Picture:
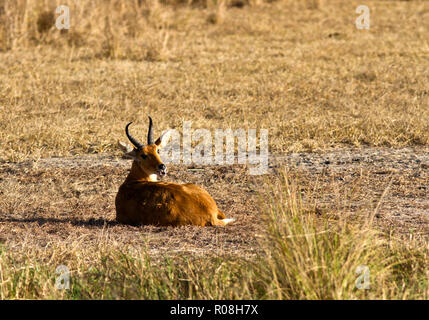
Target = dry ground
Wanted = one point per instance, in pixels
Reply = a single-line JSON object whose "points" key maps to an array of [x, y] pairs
{"points": [[71, 200], [303, 72]]}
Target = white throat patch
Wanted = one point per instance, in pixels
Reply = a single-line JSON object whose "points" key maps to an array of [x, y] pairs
{"points": [[153, 177]]}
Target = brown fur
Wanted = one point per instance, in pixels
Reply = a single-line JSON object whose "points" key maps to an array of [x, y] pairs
{"points": [[140, 200]]}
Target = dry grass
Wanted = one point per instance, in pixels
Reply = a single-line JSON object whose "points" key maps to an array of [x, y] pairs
{"points": [[298, 68], [307, 75], [310, 257]]}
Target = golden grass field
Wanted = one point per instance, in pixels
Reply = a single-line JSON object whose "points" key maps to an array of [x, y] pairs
{"points": [[348, 117]]}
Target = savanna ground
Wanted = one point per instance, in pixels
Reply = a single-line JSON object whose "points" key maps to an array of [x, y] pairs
{"points": [[348, 118]]}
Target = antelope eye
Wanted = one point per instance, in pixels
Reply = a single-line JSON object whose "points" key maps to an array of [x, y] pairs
{"points": [[157, 151]]}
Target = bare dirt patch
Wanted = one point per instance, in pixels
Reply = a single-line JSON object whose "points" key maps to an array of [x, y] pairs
{"points": [[71, 200], [354, 180]]}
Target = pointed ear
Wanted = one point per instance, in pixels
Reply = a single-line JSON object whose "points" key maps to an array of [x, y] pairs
{"points": [[127, 150], [162, 140]]}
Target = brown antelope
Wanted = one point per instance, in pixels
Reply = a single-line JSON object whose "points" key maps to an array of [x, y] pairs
{"points": [[142, 199]]}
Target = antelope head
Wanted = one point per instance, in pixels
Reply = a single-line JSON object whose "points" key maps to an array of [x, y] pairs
{"points": [[147, 164]]}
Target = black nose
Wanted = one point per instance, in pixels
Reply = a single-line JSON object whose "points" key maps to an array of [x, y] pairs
{"points": [[161, 166]]}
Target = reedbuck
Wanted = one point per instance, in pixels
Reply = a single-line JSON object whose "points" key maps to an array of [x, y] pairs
{"points": [[142, 199]]}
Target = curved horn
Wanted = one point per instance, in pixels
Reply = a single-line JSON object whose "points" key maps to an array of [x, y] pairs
{"points": [[150, 133], [135, 142]]}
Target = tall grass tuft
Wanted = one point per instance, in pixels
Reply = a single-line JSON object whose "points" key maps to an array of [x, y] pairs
{"points": [[314, 257]]}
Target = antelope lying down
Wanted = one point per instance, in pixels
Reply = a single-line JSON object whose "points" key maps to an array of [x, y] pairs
{"points": [[142, 199]]}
